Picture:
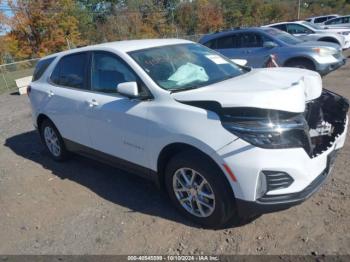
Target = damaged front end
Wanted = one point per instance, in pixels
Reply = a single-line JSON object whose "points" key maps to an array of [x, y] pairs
{"points": [[326, 118], [315, 130]]}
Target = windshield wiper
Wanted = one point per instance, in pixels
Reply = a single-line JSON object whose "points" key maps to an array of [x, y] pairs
{"points": [[175, 90]]}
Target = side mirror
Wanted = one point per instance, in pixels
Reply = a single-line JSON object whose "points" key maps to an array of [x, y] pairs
{"points": [[128, 89], [270, 44]]}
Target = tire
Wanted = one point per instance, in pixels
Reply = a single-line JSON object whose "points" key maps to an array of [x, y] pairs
{"points": [[219, 194], [301, 63], [53, 141]]}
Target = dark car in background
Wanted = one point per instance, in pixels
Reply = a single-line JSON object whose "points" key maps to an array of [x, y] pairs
{"points": [[257, 44]]}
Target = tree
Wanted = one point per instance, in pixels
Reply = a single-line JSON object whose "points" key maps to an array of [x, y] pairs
{"points": [[209, 16], [42, 27]]}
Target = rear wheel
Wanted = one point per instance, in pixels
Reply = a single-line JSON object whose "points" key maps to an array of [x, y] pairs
{"points": [[53, 140], [301, 63], [199, 190]]}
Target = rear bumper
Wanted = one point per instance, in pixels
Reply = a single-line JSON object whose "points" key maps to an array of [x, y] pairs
{"points": [[324, 69], [272, 203]]}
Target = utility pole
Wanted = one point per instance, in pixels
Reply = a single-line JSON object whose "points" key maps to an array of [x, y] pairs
{"points": [[299, 2]]}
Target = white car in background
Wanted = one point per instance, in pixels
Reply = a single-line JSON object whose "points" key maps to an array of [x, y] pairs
{"points": [[321, 19], [339, 22], [313, 32], [225, 141]]}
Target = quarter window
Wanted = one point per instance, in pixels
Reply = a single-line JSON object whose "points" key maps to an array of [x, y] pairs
{"points": [[71, 71], [41, 67]]}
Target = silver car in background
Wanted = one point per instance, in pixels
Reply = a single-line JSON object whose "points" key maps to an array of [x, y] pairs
{"points": [[339, 22], [321, 19], [312, 32], [257, 44]]}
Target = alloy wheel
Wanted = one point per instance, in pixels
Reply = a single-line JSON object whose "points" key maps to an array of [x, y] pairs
{"points": [[193, 192]]}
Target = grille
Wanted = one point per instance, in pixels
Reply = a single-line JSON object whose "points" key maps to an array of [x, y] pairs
{"points": [[276, 180], [337, 55]]}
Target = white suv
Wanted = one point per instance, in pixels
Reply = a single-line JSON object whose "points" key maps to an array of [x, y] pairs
{"points": [[224, 140]]}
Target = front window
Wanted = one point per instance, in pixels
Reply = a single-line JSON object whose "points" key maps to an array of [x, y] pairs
{"points": [[185, 66], [313, 26]]}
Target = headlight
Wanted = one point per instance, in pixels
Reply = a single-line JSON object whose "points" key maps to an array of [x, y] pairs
{"points": [[269, 132], [324, 51]]}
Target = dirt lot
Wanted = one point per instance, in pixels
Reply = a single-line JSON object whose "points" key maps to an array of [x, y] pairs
{"points": [[83, 207]]}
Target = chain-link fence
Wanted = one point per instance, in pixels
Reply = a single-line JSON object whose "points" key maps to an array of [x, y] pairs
{"points": [[12, 71]]}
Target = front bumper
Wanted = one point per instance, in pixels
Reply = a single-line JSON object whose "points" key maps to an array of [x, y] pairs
{"points": [[272, 203], [324, 69]]}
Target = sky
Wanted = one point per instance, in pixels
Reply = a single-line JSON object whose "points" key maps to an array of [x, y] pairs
{"points": [[6, 9]]}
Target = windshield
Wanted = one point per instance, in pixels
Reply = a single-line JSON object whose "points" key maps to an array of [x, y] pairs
{"points": [[282, 36], [313, 26], [185, 66]]}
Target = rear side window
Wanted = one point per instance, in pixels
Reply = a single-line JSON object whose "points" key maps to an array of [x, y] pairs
{"points": [[250, 40], [227, 42], [346, 20], [41, 67], [321, 19], [71, 71]]}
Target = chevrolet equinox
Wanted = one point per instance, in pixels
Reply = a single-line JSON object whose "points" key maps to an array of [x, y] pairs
{"points": [[223, 140]]}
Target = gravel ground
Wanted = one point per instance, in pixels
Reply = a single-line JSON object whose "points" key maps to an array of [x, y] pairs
{"points": [[83, 207]]}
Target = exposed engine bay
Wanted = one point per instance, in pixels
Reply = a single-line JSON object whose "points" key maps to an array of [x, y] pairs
{"points": [[326, 118]]}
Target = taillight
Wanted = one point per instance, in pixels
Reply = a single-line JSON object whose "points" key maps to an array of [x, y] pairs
{"points": [[29, 89]]}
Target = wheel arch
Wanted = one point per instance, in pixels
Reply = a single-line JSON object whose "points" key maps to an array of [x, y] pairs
{"points": [[329, 39], [299, 58], [41, 117], [172, 149]]}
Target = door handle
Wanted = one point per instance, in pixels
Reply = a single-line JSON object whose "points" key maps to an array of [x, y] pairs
{"points": [[50, 93], [92, 103]]}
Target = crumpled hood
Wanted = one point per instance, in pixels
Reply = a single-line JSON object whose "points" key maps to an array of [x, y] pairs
{"points": [[285, 89]]}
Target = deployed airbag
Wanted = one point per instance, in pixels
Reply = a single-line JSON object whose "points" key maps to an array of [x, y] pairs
{"points": [[189, 73]]}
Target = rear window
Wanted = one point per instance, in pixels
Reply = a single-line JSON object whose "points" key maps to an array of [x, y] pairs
{"points": [[71, 71], [41, 67]]}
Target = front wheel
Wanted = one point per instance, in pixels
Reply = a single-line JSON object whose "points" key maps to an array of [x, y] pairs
{"points": [[199, 190]]}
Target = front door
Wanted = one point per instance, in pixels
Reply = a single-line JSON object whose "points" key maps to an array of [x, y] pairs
{"points": [[118, 125]]}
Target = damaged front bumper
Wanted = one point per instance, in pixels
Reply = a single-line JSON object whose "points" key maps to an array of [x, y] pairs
{"points": [[273, 203], [307, 167]]}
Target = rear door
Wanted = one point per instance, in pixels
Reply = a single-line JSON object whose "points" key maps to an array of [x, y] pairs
{"points": [[67, 97]]}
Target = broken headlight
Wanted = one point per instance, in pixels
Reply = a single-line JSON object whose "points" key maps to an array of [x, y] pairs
{"points": [[268, 131]]}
